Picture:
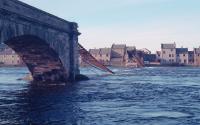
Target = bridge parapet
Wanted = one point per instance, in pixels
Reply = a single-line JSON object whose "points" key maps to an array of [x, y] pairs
{"points": [[32, 14]]}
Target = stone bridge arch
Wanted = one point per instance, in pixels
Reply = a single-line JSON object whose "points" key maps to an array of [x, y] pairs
{"points": [[42, 61], [39, 38]]}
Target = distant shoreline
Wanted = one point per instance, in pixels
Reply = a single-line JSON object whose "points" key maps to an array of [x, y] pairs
{"points": [[12, 66]]}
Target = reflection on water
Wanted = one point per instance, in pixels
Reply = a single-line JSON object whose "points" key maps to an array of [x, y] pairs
{"points": [[146, 96]]}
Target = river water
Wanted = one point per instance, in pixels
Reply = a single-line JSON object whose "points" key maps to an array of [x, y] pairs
{"points": [[146, 96]]}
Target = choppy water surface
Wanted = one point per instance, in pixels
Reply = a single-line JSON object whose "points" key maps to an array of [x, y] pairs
{"points": [[146, 96]]}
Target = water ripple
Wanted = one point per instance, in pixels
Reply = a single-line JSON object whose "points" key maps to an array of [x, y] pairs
{"points": [[143, 96]]}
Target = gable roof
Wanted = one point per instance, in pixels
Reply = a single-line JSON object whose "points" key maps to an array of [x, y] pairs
{"points": [[105, 51], [94, 51]]}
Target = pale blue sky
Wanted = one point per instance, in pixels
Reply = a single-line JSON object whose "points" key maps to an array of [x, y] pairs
{"points": [[140, 23]]}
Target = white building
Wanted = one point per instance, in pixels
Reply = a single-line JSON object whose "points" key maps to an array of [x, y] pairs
{"points": [[168, 54]]}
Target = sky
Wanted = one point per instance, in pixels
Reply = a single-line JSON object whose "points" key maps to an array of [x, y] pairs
{"points": [[140, 23]]}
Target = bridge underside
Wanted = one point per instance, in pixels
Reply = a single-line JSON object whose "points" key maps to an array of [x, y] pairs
{"points": [[42, 61]]}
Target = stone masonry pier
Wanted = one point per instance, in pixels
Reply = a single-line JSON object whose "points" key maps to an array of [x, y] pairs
{"points": [[47, 44]]}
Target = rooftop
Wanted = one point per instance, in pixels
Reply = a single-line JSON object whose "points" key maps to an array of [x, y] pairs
{"points": [[158, 52], [190, 52], [197, 50], [7, 51], [118, 46], [168, 46], [94, 51], [128, 48], [181, 50], [105, 51]]}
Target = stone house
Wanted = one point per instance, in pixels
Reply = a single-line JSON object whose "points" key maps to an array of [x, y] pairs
{"points": [[129, 51], [197, 56], [8, 57], [168, 54], [129, 57], [95, 53], [182, 56], [191, 57], [118, 52], [105, 55]]}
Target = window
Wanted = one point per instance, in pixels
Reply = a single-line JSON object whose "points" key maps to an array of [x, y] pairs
{"points": [[169, 55], [163, 52], [171, 49], [107, 55], [183, 54], [172, 55], [172, 60]]}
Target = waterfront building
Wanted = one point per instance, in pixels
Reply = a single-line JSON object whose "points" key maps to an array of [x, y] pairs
{"points": [[149, 58], [168, 54], [130, 50], [118, 52], [8, 57], [182, 56], [105, 55], [197, 56], [130, 60], [118, 55], [190, 57], [158, 56], [95, 53]]}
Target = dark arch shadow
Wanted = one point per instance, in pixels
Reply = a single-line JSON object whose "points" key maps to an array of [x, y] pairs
{"points": [[42, 61]]}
